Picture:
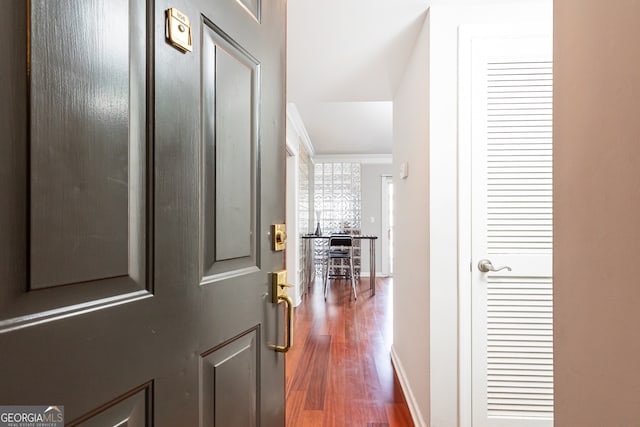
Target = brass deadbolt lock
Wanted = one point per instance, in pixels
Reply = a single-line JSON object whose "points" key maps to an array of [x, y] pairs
{"points": [[278, 236]]}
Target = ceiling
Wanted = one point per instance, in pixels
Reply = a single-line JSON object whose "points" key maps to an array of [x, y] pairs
{"points": [[344, 61]]}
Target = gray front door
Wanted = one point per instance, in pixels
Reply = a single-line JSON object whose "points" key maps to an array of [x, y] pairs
{"points": [[138, 184]]}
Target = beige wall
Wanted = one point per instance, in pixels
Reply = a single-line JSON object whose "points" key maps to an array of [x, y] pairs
{"points": [[411, 240], [597, 213]]}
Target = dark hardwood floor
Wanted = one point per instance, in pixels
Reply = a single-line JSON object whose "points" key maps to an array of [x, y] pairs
{"points": [[339, 372]]}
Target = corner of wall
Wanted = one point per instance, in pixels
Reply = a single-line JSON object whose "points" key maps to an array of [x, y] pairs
{"points": [[411, 348], [414, 409]]}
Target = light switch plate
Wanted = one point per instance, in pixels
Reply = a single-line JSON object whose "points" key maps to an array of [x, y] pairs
{"points": [[404, 170]]}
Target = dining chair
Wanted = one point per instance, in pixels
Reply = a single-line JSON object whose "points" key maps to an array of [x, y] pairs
{"points": [[341, 249]]}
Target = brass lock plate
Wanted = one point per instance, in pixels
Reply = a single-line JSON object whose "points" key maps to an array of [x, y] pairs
{"points": [[279, 285], [278, 236], [179, 30]]}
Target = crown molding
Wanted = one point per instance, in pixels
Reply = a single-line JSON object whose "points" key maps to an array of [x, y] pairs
{"points": [[293, 116], [365, 159]]}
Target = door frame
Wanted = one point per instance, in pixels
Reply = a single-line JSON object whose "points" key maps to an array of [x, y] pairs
{"points": [[466, 35], [292, 250], [386, 266]]}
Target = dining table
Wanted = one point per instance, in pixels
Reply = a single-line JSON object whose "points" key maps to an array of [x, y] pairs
{"points": [[308, 241]]}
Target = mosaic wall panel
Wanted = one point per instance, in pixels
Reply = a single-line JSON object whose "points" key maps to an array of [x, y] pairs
{"points": [[337, 205]]}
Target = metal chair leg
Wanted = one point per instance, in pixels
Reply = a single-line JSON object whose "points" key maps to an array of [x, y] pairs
{"points": [[353, 280], [326, 278]]}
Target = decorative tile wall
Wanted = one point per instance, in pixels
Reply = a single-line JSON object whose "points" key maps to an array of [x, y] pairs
{"points": [[337, 205]]}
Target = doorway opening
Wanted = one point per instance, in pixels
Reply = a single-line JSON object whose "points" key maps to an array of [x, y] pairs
{"points": [[387, 225]]}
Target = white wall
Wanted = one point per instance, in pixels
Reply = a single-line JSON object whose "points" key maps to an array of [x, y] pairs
{"points": [[446, 18], [371, 189], [292, 259], [596, 213], [410, 351], [426, 135], [296, 141]]}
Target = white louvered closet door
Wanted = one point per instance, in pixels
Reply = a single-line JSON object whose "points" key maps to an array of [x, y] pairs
{"points": [[512, 353]]}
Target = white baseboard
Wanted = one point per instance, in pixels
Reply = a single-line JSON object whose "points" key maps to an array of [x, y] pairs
{"points": [[418, 419], [378, 274]]}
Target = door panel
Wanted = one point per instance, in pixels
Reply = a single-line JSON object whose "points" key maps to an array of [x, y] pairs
{"points": [[134, 409], [235, 362], [387, 225], [512, 226], [253, 7], [234, 207], [84, 215], [80, 190], [140, 183], [230, 87]]}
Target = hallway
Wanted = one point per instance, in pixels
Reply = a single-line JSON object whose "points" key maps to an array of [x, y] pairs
{"points": [[339, 371]]}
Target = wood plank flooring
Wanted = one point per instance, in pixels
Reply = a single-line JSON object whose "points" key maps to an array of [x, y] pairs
{"points": [[339, 372]]}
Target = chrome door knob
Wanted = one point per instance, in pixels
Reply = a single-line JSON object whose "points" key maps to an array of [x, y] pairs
{"points": [[485, 266]]}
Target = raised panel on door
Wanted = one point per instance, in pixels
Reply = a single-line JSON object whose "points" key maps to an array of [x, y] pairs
{"points": [[253, 7], [234, 362], [230, 92], [79, 171], [512, 226], [83, 220], [132, 409]]}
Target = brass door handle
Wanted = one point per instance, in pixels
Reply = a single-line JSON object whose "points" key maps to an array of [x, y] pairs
{"points": [[289, 333], [279, 287]]}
